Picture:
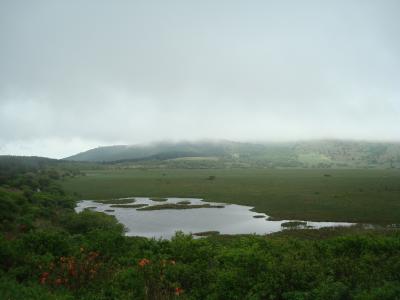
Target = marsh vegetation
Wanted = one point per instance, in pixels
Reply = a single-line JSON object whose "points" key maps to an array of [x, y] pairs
{"points": [[358, 196], [294, 224], [158, 199], [117, 201]]}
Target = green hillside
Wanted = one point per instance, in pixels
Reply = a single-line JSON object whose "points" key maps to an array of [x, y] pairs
{"points": [[306, 154]]}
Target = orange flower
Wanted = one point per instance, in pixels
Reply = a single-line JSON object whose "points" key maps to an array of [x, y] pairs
{"points": [[178, 291], [58, 281], [143, 262], [43, 277]]}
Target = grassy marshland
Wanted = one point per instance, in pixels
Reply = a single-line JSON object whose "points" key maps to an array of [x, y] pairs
{"points": [[366, 196]]}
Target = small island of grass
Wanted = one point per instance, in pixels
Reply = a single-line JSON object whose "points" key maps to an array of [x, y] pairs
{"points": [[294, 224], [179, 206], [183, 202], [116, 201], [158, 199], [259, 216], [128, 205]]}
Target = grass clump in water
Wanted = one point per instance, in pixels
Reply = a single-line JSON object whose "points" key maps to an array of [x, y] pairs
{"points": [[183, 202], [258, 216], [116, 201], [129, 205], [294, 224], [159, 199], [179, 206]]}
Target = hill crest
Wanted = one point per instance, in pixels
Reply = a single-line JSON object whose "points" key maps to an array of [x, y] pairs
{"points": [[320, 153]]}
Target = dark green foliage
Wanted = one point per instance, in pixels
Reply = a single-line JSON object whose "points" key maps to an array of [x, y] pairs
{"points": [[88, 221], [10, 205]]}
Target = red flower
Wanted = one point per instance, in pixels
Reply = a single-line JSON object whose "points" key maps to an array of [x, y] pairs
{"points": [[143, 262], [178, 291]]}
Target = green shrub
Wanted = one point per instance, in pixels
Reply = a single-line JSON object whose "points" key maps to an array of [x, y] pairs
{"points": [[87, 221]]}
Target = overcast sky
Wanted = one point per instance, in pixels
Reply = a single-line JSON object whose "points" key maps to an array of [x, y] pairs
{"points": [[80, 74]]}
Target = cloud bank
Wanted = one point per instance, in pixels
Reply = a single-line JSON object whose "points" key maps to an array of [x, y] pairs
{"points": [[78, 74]]}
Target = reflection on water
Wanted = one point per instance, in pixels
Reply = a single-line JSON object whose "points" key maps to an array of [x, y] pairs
{"points": [[231, 219]]}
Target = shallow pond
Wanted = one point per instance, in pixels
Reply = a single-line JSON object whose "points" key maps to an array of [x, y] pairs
{"points": [[163, 223]]}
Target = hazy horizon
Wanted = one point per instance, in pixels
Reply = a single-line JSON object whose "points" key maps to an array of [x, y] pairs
{"points": [[77, 75], [210, 141]]}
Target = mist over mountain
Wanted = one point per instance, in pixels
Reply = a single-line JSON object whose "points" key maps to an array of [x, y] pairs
{"points": [[304, 154], [76, 75]]}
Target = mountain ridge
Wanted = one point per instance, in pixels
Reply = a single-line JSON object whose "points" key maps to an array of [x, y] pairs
{"points": [[317, 153]]}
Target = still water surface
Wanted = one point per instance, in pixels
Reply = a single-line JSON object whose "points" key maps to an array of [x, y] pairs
{"points": [[231, 219]]}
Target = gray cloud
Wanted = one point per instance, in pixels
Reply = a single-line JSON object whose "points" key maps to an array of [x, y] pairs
{"points": [[76, 74]]}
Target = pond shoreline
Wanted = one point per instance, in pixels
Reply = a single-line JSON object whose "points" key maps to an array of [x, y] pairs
{"points": [[146, 216]]}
